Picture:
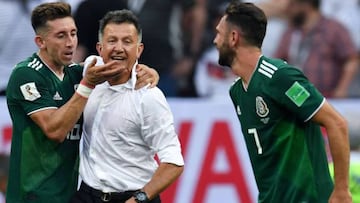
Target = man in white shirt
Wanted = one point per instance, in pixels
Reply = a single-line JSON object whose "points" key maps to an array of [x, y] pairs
{"points": [[125, 128]]}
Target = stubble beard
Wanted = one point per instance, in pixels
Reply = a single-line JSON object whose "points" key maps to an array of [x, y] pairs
{"points": [[226, 56]]}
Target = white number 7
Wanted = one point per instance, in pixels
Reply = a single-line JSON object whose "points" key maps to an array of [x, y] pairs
{"points": [[257, 141]]}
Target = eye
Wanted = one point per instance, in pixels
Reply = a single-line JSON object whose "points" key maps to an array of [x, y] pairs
{"points": [[60, 36], [111, 40]]}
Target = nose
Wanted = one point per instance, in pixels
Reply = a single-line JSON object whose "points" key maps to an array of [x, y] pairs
{"points": [[118, 47], [71, 40], [215, 40]]}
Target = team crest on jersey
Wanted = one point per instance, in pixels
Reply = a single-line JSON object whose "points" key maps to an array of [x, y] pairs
{"points": [[261, 108]]}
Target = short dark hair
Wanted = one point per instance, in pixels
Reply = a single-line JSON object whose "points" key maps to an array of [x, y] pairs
{"points": [[49, 11], [250, 19], [119, 17]]}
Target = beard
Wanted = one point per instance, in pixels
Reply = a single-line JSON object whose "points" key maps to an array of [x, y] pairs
{"points": [[298, 20], [226, 55]]}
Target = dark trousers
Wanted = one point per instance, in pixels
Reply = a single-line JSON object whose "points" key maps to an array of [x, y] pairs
{"points": [[87, 194]]}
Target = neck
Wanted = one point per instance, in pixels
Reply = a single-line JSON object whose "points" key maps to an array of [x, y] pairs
{"points": [[57, 69], [311, 20], [121, 78], [245, 62]]}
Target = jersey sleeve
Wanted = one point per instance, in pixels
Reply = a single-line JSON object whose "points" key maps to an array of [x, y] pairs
{"points": [[292, 90], [29, 89], [158, 128]]}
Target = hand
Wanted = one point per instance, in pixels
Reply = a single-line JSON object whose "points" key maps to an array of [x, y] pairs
{"points": [[340, 196], [146, 75], [96, 74]]}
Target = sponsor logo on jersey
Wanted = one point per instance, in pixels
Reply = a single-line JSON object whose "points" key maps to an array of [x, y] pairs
{"points": [[267, 69], [261, 108], [30, 91], [297, 94], [57, 96]]}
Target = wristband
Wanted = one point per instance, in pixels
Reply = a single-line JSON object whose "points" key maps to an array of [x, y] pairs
{"points": [[84, 89]]}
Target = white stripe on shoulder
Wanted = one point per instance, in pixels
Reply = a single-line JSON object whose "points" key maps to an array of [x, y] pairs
{"points": [[269, 65], [265, 73], [42, 109], [35, 64], [267, 69], [312, 115]]}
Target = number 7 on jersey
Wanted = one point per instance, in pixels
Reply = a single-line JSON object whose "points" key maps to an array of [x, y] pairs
{"points": [[256, 137]]}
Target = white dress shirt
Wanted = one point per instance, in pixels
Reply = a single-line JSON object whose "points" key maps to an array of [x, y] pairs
{"points": [[123, 130]]}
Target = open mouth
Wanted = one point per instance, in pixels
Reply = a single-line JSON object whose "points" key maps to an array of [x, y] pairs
{"points": [[68, 54], [118, 58]]}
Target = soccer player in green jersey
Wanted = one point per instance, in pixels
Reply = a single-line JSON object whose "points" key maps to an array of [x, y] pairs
{"points": [[280, 113], [46, 95]]}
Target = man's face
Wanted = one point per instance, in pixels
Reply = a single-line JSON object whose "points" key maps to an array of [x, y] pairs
{"points": [[60, 41], [120, 42], [297, 13], [221, 41]]}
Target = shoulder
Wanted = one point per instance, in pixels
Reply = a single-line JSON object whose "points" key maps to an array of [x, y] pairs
{"points": [[152, 97], [332, 26], [28, 67], [74, 67], [271, 67], [151, 94], [235, 86], [153, 101], [278, 73]]}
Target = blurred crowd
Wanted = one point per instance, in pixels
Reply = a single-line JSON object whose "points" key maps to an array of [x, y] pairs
{"points": [[321, 38]]}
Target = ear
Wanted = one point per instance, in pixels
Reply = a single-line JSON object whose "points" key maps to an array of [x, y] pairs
{"points": [[98, 48], [39, 41], [234, 38], [140, 49]]}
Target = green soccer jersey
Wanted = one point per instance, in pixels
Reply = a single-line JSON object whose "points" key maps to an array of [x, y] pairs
{"points": [[41, 170], [286, 150]]}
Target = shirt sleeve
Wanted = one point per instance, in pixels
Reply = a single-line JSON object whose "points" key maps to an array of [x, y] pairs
{"points": [[292, 90], [30, 90], [158, 128]]}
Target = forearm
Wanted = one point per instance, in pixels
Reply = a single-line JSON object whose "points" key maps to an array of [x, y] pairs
{"points": [[162, 178], [349, 72], [57, 123], [63, 120], [339, 147]]}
